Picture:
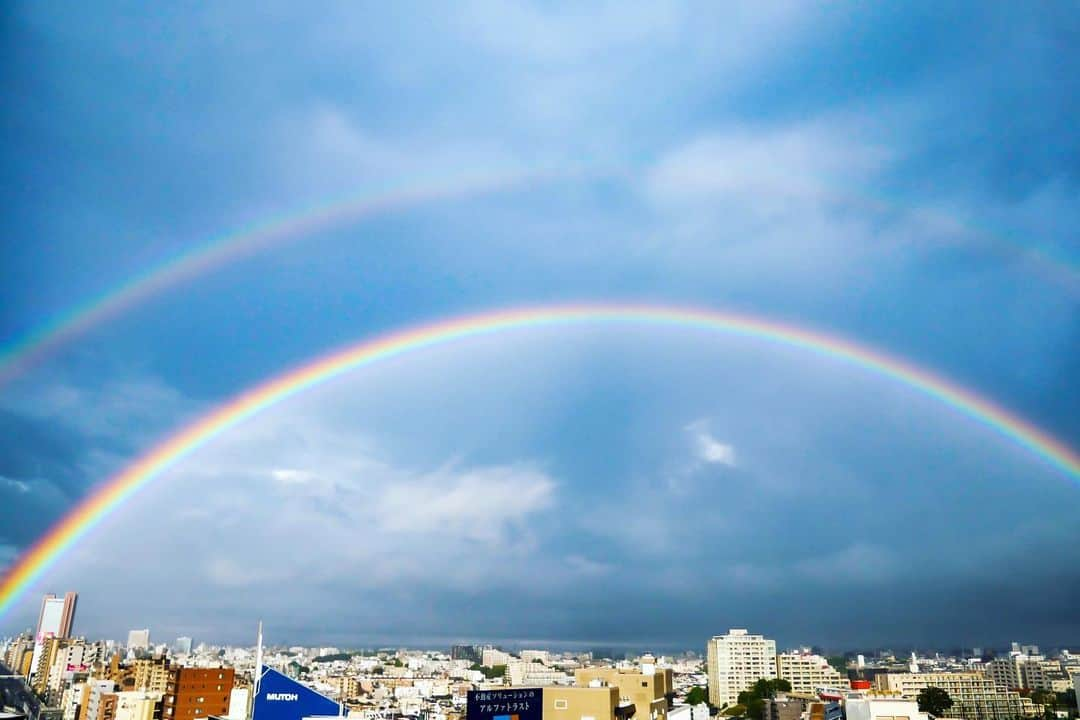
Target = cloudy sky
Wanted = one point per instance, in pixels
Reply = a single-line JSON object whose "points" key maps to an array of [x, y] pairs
{"points": [[902, 174]]}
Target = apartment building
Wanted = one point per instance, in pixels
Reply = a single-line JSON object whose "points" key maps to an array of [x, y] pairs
{"points": [[646, 688], [735, 662], [195, 693], [807, 672], [137, 705], [974, 696]]}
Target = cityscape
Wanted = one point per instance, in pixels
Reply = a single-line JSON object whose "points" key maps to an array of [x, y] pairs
{"points": [[540, 360], [53, 674]]}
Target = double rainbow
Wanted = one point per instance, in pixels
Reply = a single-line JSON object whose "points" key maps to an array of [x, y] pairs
{"points": [[115, 491]]}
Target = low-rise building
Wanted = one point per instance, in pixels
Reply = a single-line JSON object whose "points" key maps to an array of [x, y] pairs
{"points": [[600, 702], [874, 708], [647, 687]]}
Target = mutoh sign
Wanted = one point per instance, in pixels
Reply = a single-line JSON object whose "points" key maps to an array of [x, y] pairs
{"points": [[282, 698]]}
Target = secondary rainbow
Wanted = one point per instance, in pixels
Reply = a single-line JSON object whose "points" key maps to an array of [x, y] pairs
{"points": [[119, 488], [22, 352]]}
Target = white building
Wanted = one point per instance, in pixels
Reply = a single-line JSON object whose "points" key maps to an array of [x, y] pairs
{"points": [[138, 639], [735, 662], [492, 657], [72, 700], [866, 708], [97, 688], [136, 705], [238, 703], [808, 672]]}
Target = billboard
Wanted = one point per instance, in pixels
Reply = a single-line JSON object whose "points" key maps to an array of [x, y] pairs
{"points": [[282, 698], [509, 704]]}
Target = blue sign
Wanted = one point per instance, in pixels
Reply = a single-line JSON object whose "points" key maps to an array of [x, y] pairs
{"points": [[282, 698], [516, 704]]}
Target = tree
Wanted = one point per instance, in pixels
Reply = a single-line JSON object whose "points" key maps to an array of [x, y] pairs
{"points": [[697, 695], [934, 700], [1044, 697]]}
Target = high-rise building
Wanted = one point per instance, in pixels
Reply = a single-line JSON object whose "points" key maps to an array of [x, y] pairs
{"points": [[735, 662], [138, 639], [54, 621], [57, 615], [195, 693], [465, 652], [183, 645], [806, 673]]}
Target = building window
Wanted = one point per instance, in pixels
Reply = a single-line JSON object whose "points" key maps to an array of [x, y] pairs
{"points": [[560, 705]]}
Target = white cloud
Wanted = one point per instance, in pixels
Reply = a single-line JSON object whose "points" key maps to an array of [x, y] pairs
{"points": [[767, 167], [289, 476], [708, 449], [18, 486], [477, 504], [133, 409]]}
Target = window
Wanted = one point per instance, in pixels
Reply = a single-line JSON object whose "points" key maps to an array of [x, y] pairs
{"points": [[560, 705]]}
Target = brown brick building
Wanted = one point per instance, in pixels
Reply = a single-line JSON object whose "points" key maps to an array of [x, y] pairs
{"points": [[195, 693]]}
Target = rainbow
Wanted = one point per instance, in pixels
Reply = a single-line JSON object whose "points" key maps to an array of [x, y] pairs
{"points": [[112, 494], [21, 353]]}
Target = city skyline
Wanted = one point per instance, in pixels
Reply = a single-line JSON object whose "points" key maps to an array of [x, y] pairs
{"points": [[874, 445]]}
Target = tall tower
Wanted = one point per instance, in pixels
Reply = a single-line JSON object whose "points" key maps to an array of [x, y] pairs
{"points": [[57, 616], [54, 621]]}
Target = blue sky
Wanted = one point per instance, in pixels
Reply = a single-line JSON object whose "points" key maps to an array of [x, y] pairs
{"points": [[902, 174]]}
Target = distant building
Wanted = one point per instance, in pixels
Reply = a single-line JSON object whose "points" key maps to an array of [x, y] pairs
{"points": [[183, 645], [1019, 671], [493, 656], [138, 639], [735, 662], [465, 652]]}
